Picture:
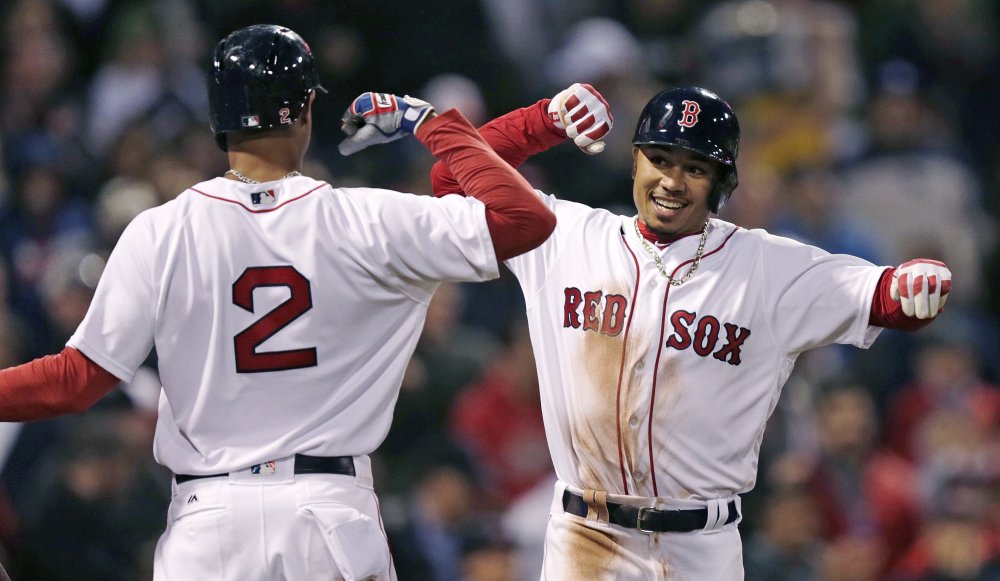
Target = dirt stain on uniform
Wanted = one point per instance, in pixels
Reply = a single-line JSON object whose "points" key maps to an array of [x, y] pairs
{"points": [[590, 554], [667, 407], [595, 429]]}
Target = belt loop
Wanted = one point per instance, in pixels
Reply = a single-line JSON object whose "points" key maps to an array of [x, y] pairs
{"points": [[597, 505], [718, 513], [363, 471]]}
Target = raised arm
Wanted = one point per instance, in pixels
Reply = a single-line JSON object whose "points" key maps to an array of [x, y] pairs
{"points": [[518, 221], [579, 112]]}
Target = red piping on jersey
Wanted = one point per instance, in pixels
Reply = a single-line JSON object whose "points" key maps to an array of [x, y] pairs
{"points": [[260, 211], [659, 350], [621, 370]]}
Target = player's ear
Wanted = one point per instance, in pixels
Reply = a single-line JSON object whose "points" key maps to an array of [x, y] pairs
{"points": [[635, 159], [306, 115]]}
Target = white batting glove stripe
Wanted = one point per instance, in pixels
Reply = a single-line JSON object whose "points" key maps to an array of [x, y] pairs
{"points": [[584, 114], [921, 287]]}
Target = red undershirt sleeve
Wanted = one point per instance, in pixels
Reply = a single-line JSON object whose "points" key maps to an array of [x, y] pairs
{"points": [[52, 386], [517, 219], [888, 313], [515, 137]]}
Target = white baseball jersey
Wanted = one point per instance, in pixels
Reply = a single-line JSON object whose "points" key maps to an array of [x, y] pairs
{"points": [[283, 314], [663, 391]]}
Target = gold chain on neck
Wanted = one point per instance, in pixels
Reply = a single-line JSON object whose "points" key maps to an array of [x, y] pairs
{"points": [[659, 263], [244, 178]]}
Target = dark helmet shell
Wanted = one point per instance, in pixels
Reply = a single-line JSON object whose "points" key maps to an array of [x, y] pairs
{"points": [[261, 78]]}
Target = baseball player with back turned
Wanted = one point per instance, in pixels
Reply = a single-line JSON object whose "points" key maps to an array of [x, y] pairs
{"points": [[283, 311], [663, 339]]}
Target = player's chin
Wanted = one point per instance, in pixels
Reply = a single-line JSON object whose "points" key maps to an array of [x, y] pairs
{"points": [[668, 220]]}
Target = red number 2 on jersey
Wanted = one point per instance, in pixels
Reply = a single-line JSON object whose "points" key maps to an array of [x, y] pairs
{"points": [[248, 360]]}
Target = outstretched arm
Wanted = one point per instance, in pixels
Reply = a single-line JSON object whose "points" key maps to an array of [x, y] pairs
{"points": [[579, 112], [52, 386], [909, 297]]}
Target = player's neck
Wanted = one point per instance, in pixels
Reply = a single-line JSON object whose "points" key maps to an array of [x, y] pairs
{"points": [[663, 239], [260, 168], [266, 159]]}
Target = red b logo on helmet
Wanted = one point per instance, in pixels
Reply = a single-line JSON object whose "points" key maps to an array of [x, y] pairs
{"points": [[690, 116]]}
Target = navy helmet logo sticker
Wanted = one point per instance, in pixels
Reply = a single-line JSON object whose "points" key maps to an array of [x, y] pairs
{"points": [[690, 114], [258, 198], [251, 121]]}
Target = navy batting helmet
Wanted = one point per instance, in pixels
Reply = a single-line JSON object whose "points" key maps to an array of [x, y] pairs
{"points": [[261, 78], [700, 121]]}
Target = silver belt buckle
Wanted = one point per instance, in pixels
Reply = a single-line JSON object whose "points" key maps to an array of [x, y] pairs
{"points": [[638, 520]]}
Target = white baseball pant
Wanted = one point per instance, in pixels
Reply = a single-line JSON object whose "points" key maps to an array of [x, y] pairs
{"points": [[591, 548], [249, 527]]}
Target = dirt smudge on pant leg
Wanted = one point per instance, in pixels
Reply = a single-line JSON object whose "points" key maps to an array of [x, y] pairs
{"points": [[590, 554]]}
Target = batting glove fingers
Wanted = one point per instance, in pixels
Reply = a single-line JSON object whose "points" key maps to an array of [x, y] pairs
{"points": [[921, 287], [584, 114], [375, 118]]}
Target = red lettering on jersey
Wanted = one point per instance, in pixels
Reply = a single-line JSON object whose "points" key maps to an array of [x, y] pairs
{"points": [[681, 320], [735, 336], [707, 335], [248, 359], [573, 299], [689, 116], [613, 319], [590, 302]]}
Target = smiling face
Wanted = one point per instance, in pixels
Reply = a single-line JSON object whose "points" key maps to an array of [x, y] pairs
{"points": [[670, 187]]}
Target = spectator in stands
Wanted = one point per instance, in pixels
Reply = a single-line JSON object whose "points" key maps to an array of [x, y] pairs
{"points": [[499, 420], [786, 548], [866, 497], [947, 379]]}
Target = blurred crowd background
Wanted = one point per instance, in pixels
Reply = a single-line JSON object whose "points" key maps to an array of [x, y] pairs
{"points": [[870, 127]]}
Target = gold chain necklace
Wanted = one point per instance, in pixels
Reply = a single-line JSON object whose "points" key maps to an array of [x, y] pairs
{"points": [[659, 263], [244, 178]]}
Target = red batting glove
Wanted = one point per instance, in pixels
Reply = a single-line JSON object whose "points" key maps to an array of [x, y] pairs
{"points": [[584, 114], [921, 287]]}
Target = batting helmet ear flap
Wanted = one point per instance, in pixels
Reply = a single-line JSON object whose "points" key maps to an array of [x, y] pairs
{"points": [[723, 189]]}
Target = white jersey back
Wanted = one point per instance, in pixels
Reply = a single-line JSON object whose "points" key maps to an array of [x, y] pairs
{"points": [[657, 390], [283, 314]]}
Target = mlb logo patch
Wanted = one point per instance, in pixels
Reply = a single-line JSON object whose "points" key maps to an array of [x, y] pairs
{"points": [[265, 469], [258, 198], [251, 121]]}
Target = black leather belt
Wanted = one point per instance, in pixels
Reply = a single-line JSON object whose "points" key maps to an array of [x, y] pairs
{"points": [[303, 465], [647, 519]]}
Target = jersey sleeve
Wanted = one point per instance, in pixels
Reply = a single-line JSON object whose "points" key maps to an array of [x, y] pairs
{"points": [[532, 268], [117, 332], [421, 241], [814, 298]]}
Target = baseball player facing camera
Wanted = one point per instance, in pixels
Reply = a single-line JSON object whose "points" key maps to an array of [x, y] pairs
{"points": [[283, 311], [663, 339]]}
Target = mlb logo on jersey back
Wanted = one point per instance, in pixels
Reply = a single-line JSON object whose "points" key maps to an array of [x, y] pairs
{"points": [[258, 198], [251, 121], [265, 469]]}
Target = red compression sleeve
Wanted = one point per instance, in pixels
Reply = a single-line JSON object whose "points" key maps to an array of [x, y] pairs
{"points": [[515, 137], [52, 386], [517, 218], [889, 313]]}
